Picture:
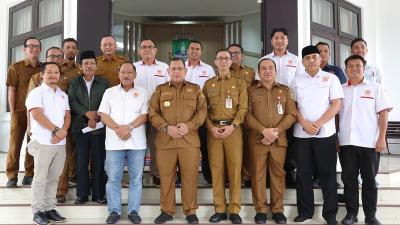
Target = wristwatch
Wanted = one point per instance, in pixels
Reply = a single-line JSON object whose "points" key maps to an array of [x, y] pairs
{"points": [[234, 126], [55, 131], [130, 126], [165, 129]]}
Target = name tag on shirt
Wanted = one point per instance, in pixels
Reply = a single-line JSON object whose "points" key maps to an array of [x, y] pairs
{"points": [[228, 102]]}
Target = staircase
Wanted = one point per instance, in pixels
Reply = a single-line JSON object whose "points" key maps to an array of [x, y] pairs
{"points": [[15, 202]]}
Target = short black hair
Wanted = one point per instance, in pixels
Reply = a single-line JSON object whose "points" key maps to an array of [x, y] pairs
{"points": [[236, 45], [221, 50], [197, 42], [355, 57], [69, 40], [357, 40], [45, 64], [177, 59], [54, 47], [31, 38], [148, 39], [127, 62], [323, 43], [280, 29], [265, 59], [108, 35]]}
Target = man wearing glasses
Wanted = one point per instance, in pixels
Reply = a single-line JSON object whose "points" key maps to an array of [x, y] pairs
{"points": [[150, 73], [18, 78], [226, 96]]}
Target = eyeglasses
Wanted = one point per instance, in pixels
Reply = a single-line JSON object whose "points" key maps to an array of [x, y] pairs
{"points": [[150, 47], [226, 59], [235, 53], [32, 46], [55, 56]]}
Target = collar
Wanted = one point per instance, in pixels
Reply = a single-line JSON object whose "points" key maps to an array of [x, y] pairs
{"points": [[172, 84], [155, 62], [259, 84], [316, 75], [363, 81], [187, 63], [122, 89], [275, 55], [241, 67], [91, 81], [227, 76], [103, 58], [73, 65], [48, 88], [28, 63]]}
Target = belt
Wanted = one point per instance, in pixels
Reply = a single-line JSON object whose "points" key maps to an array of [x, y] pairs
{"points": [[222, 122]]}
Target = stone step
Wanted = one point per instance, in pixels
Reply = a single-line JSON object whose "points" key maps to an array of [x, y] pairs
{"points": [[22, 212]]}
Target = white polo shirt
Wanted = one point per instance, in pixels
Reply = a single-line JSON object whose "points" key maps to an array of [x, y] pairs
{"points": [[124, 107], [149, 76], [199, 73], [358, 124], [372, 73], [287, 67], [53, 105], [313, 96]]}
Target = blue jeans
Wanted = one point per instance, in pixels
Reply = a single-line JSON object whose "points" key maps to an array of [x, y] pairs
{"points": [[115, 167]]}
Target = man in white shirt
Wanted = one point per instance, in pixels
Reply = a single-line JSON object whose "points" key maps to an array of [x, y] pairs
{"points": [[124, 110], [288, 66], [198, 72], [371, 72], [150, 73], [362, 130], [318, 95], [50, 119]]}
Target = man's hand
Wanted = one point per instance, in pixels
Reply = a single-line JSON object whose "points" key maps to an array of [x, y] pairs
{"points": [[61, 133], [270, 134], [55, 139], [92, 115], [227, 131], [310, 127], [122, 131], [183, 129], [92, 124], [380, 144], [265, 141], [216, 132], [173, 132]]}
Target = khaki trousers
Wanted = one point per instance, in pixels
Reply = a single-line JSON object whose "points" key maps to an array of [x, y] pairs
{"points": [[18, 125], [49, 163], [69, 161], [227, 153], [269, 159], [167, 162]]}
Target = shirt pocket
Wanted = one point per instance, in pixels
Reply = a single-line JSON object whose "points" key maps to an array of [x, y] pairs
{"points": [[257, 104], [234, 94], [166, 102], [189, 102], [213, 97]]}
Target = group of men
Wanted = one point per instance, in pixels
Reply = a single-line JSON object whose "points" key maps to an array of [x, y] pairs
{"points": [[247, 125]]}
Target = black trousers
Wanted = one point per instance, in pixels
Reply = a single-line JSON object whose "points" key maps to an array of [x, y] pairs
{"points": [[365, 161], [320, 153], [290, 162], [90, 146], [205, 165]]}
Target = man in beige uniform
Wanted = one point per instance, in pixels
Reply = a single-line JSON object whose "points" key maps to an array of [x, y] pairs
{"points": [[18, 78], [238, 69], [177, 109], [226, 96], [271, 112], [108, 63]]}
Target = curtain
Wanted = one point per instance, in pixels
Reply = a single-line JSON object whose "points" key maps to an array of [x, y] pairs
{"points": [[54, 41], [17, 53], [344, 53], [22, 21], [322, 12], [50, 11], [348, 22]]}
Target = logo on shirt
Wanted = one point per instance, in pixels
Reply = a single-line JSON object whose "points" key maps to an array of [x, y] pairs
{"points": [[367, 93], [325, 79], [135, 94], [158, 73], [167, 103], [203, 74]]}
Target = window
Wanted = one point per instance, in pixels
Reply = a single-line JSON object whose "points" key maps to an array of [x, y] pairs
{"points": [[39, 18], [337, 23]]}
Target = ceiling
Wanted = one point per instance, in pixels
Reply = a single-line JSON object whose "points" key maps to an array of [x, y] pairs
{"points": [[185, 8]]}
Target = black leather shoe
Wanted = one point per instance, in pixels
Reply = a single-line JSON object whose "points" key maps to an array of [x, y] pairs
{"points": [[332, 222], [54, 216], [192, 219], [260, 218], [217, 217], [349, 219], [113, 218], [81, 200], [61, 199], [300, 219], [40, 219], [99, 200], [340, 198], [27, 180], [279, 218], [156, 181], [134, 217], [12, 182], [235, 218], [163, 218], [372, 221]]}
